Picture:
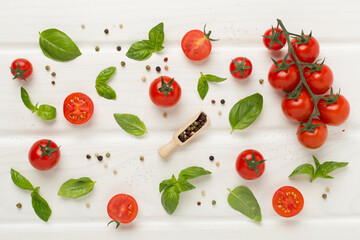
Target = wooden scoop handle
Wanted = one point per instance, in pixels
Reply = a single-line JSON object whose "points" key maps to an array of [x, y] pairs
{"points": [[165, 150]]}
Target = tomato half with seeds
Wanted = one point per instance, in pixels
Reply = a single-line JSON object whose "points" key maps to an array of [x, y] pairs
{"points": [[319, 81], [250, 164], [306, 52], [288, 201], [122, 208], [44, 154], [313, 139], [78, 108], [21, 68], [299, 109], [164, 91], [335, 113], [272, 39], [240, 67], [284, 80]]}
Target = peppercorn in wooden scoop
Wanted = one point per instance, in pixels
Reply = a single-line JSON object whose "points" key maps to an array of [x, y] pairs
{"points": [[184, 134]]}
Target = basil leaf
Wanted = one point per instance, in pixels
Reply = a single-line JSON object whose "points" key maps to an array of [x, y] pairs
{"points": [[156, 37], [75, 188], [184, 185], [21, 181], [192, 172], [303, 169], [105, 91], [105, 75], [245, 112], [26, 100], [317, 163], [202, 87], [328, 167], [167, 183], [46, 112], [140, 51], [130, 123], [41, 207], [243, 200], [212, 78], [58, 46], [170, 199]]}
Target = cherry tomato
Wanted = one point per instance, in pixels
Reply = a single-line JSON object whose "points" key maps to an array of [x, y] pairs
{"points": [[164, 91], [78, 108], [122, 208], [240, 67], [274, 32], [336, 113], [300, 109], [44, 154], [196, 44], [319, 81], [313, 139], [306, 52], [250, 164], [284, 80], [21, 68], [287, 201]]}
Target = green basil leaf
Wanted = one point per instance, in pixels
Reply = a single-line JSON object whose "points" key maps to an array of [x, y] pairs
{"points": [[212, 78], [41, 207], [202, 87], [192, 172], [140, 51], [303, 169], [245, 112], [167, 183], [26, 100], [21, 181], [328, 167], [170, 199], [317, 163], [243, 200], [131, 124], [75, 188], [105, 91], [183, 185], [58, 46], [157, 36], [46, 112], [105, 75]]}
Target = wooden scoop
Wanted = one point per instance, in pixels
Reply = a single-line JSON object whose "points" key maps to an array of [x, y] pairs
{"points": [[165, 150]]}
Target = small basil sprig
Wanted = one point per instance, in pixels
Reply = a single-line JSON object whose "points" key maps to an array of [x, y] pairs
{"points": [[131, 124], [75, 188], [102, 88], [245, 112], [58, 46], [41, 207], [243, 200], [172, 188], [203, 86], [142, 50], [44, 111], [320, 170]]}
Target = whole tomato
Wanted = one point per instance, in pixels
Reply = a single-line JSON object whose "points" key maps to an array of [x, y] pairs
{"points": [[44, 154], [21, 68], [272, 38], [335, 113], [319, 81], [240, 67], [165, 91], [299, 109], [284, 80], [313, 139], [308, 51], [250, 164]]}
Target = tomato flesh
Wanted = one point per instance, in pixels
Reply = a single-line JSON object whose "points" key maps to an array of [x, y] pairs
{"points": [[336, 113], [287, 201], [242, 167], [122, 208], [45, 162], [195, 45], [78, 108]]}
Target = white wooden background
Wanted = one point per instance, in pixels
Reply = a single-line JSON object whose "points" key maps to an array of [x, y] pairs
{"points": [[239, 25]]}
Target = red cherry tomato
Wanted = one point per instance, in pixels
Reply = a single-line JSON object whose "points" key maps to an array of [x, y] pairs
{"points": [[284, 80], [320, 81], [336, 113], [78, 108], [287, 201], [306, 52], [44, 154], [250, 164], [267, 39], [164, 93], [240, 67], [196, 45], [21, 68], [313, 139], [300, 109], [122, 208]]}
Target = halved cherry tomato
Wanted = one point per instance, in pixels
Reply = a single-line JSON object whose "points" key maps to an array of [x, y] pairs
{"points": [[287, 201], [164, 91], [298, 110], [240, 67], [284, 80], [319, 81], [268, 38], [44, 154], [21, 68], [306, 52], [78, 108], [250, 164], [336, 113], [313, 139], [122, 208]]}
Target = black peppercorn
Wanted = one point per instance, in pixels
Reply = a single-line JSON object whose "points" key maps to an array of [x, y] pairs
{"points": [[222, 101], [158, 69], [118, 48], [211, 158], [106, 31], [100, 158], [88, 156]]}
